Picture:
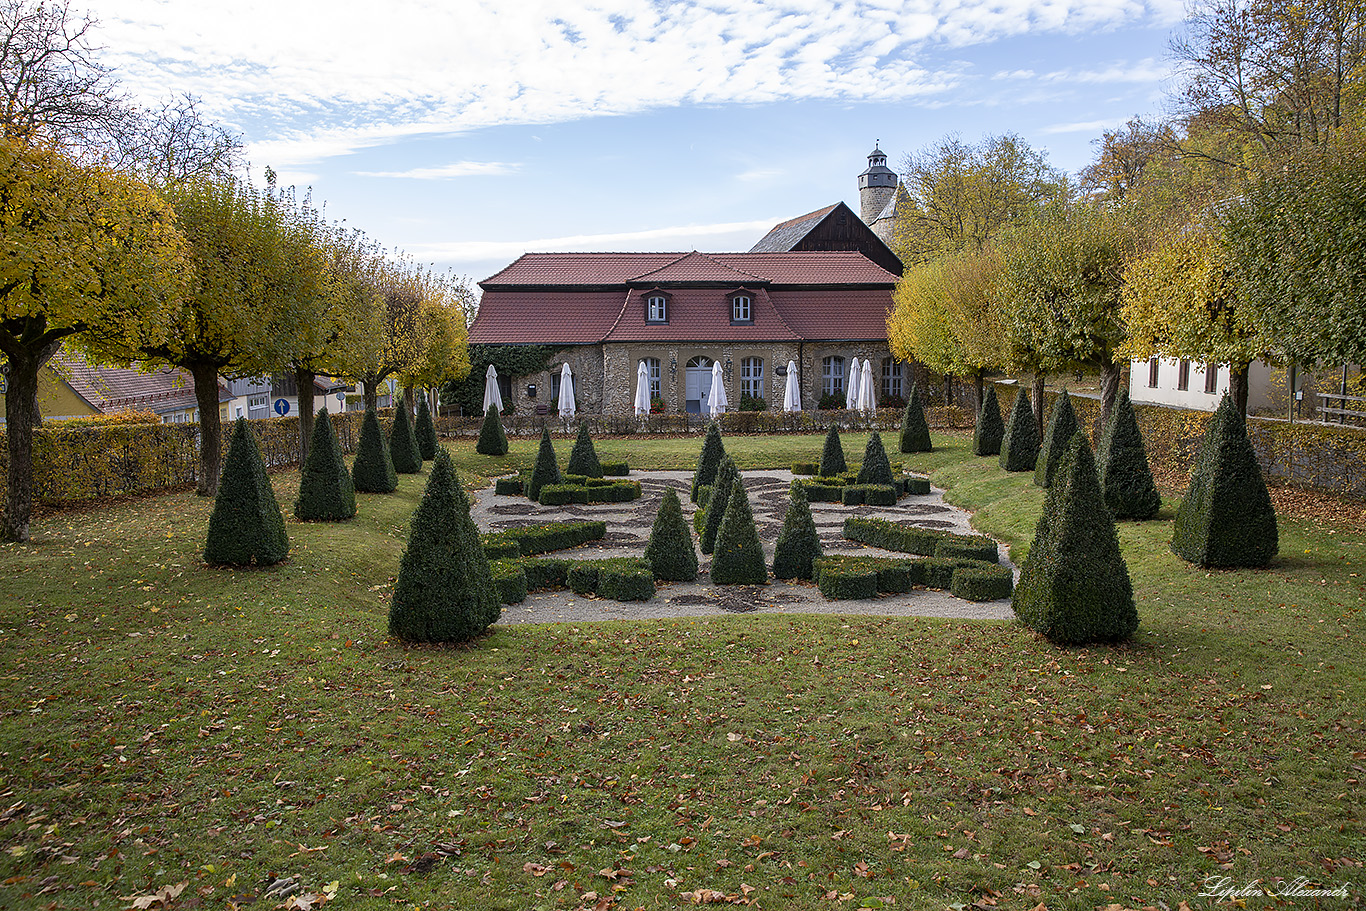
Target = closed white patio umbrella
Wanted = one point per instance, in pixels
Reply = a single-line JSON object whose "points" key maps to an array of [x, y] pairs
{"points": [[716, 399], [566, 392], [851, 387], [642, 403], [792, 395], [866, 401], [491, 394]]}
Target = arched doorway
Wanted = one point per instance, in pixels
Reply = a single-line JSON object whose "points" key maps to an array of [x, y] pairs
{"points": [[697, 384]]}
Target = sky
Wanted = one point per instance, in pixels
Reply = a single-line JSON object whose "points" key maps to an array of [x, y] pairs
{"points": [[468, 132]]}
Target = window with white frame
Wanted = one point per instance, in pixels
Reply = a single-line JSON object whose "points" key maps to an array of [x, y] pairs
{"points": [[1211, 378], [656, 308], [652, 370], [741, 310], [832, 375], [752, 377], [892, 384]]}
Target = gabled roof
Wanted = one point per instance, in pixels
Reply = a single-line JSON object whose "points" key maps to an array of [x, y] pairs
{"points": [[701, 314], [110, 389], [605, 270], [784, 236], [578, 268], [695, 267]]}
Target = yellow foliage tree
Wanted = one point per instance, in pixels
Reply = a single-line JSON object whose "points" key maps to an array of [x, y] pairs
{"points": [[1180, 300], [90, 255]]}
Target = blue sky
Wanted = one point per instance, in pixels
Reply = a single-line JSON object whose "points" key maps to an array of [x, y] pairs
{"points": [[468, 132]]}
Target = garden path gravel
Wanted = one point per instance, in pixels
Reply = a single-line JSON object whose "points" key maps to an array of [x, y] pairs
{"points": [[628, 531]]}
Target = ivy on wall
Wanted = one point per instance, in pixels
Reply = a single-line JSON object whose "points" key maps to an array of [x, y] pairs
{"points": [[512, 361]]}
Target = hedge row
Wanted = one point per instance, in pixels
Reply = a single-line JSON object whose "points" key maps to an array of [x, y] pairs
{"points": [[846, 577], [541, 539], [80, 461], [609, 492], [615, 578], [871, 494], [928, 542], [833, 490]]}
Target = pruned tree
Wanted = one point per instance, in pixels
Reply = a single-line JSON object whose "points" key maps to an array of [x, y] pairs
{"points": [[94, 257], [1123, 156], [175, 141]]}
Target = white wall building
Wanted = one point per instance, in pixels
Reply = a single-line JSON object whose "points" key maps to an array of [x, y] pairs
{"points": [[1193, 384]]}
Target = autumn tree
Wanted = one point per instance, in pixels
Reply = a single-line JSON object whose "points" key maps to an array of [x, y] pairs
{"points": [[251, 265], [958, 194], [1123, 157], [174, 141], [394, 337], [1180, 300], [94, 257], [443, 353], [1062, 273]]}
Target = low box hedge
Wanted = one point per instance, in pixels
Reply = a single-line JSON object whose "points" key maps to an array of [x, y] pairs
{"points": [[509, 487], [613, 492], [545, 572], [509, 579], [844, 578], [822, 490], [626, 583], [615, 469], [852, 495], [560, 494], [804, 468], [967, 547], [498, 547], [870, 494], [985, 583], [703, 497], [939, 572], [541, 538], [915, 485]]}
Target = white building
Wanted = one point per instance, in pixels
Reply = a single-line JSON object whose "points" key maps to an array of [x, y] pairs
{"points": [[1193, 384]]}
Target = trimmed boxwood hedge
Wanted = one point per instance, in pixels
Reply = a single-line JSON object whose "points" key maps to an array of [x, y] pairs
{"points": [[915, 430], [967, 547], [560, 494], [844, 578], [545, 572], [804, 468], [618, 578], [615, 469], [425, 430], [403, 447], [987, 434], [915, 485], [509, 487], [926, 542], [492, 440], [709, 462], [988, 583], [499, 548], [583, 459], [372, 471], [326, 491], [547, 470], [1020, 445], [1226, 518], [832, 456], [246, 525], [1062, 426], [510, 580], [546, 537], [614, 492], [671, 552]]}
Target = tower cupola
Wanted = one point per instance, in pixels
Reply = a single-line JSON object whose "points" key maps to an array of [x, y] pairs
{"points": [[876, 186]]}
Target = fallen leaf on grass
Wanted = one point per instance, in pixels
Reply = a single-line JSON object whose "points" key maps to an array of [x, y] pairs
{"points": [[163, 896]]}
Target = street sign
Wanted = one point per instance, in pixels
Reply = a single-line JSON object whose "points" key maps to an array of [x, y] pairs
{"points": [[282, 407]]}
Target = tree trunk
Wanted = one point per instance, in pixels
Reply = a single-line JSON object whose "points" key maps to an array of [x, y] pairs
{"points": [[979, 391], [1110, 375], [370, 385], [1036, 392], [948, 390], [408, 402], [303, 378], [210, 427], [21, 416], [1237, 387]]}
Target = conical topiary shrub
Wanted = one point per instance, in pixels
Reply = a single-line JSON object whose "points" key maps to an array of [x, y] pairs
{"points": [[1020, 445], [547, 469], [492, 440], [1075, 587], [739, 557], [986, 436], [246, 525], [1226, 518], [584, 458], [403, 442], [726, 476], [326, 491], [799, 544], [444, 591], [373, 469], [832, 456], [876, 468], [915, 430], [425, 429], [712, 452], [671, 553], [1062, 426], [1126, 480]]}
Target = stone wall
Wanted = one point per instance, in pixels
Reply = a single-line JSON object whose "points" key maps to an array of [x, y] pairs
{"points": [[586, 366]]}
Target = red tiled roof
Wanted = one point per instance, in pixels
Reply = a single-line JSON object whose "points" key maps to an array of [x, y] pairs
{"points": [[695, 267], [598, 269], [701, 314], [836, 314], [508, 317], [110, 389]]}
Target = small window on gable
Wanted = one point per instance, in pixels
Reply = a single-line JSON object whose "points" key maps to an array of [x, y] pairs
{"points": [[741, 308], [656, 307]]}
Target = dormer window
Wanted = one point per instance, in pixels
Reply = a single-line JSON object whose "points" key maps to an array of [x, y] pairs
{"points": [[741, 308], [656, 307]]}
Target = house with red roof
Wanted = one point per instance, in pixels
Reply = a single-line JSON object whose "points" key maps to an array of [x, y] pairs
{"points": [[815, 291]]}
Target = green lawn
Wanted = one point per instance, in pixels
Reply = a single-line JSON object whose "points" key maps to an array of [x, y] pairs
{"points": [[162, 722]]}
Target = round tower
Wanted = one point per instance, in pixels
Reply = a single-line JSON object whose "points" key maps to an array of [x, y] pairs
{"points": [[876, 186]]}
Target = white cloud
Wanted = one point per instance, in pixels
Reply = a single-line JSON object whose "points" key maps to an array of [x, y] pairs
{"points": [[1087, 126], [318, 78], [446, 172], [1147, 70], [677, 237]]}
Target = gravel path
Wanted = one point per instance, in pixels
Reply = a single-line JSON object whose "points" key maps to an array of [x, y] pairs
{"points": [[628, 531]]}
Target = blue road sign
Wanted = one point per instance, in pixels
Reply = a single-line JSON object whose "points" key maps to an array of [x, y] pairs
{"points": [[282, 407]]}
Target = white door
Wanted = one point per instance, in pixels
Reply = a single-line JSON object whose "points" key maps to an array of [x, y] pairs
{"points": [[698, 381]]}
